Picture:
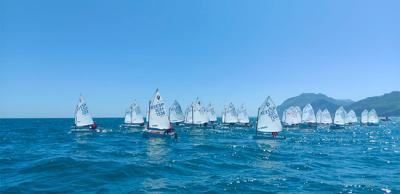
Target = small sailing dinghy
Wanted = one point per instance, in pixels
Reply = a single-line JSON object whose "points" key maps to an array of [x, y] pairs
{"points": [[133, 117], [212, 117], [326, 118], [340, 119], [268, 120], [308, 119], [292, 117], [230, 116], [199, 114], [364, 117], [351, 118], [175, 113], [373, 119], [83, 118], [158, 124], [243, 117]]}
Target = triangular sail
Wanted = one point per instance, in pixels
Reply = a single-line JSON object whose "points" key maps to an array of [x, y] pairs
{"points": [[268, 119], [199, 113], [326, 117], [364, 116], [318, 116], [136, 114], [212, 117], [230, 114], [82, 114], [188, 115], [340, 116], [158, 117], [175, 113], [283, 120], [373, 117], [128, 116], [242, 115], [351, 117], [308, 115]]}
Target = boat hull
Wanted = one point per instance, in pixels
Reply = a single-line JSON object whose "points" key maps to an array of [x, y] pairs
{"points": [[337, 127], [156, 133]]}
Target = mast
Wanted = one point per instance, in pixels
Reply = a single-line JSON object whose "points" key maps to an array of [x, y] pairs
{"points": [[148, 116]]}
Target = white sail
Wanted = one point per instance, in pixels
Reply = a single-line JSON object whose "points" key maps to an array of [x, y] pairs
{"points": [[212, 117], [82, 114], [136, 114], [284, 116], [230, 116], [158, 117], [242, 115], [318, 116], [340, 116], [351, 117], [292, 115], [188, 115], [373, 117], [268, 119], [199, 113], [308, 115], [175, 113], [364, 116], [128, 116], [326, 117]]}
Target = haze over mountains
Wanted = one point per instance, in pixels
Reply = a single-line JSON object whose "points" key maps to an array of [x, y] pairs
{"points": [[385, 105]]}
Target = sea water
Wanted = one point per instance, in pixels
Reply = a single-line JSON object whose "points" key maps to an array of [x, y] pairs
{"points": [[43, 155]]}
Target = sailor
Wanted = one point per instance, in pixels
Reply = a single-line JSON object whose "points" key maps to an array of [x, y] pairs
{"points": [[93, 126], [274, 134]]}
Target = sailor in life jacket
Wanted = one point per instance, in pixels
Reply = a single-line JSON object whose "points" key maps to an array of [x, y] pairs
{"points": [[93, 126]]}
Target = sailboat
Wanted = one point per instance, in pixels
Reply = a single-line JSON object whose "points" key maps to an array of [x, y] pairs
{"points": [[199, 114], [340, 119], [175, 113], [133, 117], [326, 118], [351, 117], [318, 116], [158, 122], [230, 115], [83, 118], [308, 119], [364, 117], [212, 117], [243, 117], [373, 118], [292, 116], [267, 118]]}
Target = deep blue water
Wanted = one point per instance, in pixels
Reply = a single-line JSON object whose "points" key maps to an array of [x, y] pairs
{"points": [[42, 155]]}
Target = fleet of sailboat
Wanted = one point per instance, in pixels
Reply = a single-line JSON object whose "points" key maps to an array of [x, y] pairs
{"points": [[160, 121]]}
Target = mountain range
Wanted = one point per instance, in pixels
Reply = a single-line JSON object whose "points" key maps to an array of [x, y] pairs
{"points": [[385, 105]]}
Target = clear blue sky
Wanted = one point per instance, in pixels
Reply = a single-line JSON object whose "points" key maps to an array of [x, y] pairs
{"points": [[222, 51]]}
